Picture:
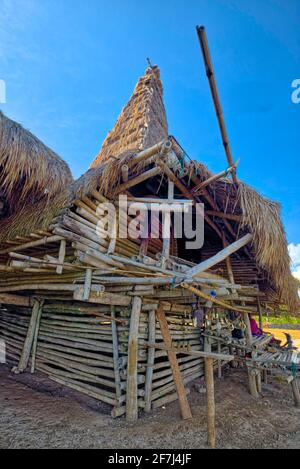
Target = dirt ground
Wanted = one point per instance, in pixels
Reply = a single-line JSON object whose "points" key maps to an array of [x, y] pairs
{"points": [[38, 413]]}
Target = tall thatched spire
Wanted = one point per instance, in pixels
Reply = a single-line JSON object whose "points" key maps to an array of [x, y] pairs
{"points": [[142, 122]]}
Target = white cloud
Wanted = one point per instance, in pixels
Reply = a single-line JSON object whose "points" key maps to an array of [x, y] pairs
{"points": [[294, 250]]}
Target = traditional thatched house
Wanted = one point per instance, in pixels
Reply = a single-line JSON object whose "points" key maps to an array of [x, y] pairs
{"points": [[112, 317]]}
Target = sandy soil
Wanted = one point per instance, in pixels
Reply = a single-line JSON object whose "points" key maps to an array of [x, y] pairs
{"points": [[37, 413]]}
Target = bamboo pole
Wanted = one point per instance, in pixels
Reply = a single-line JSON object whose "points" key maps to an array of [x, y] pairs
{"points": [[132, 385], [150, 362], [210, 398], [215, 95]]}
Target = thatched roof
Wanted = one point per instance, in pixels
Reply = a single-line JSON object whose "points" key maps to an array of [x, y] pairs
{"points": [[33, 181], [142, 122]]}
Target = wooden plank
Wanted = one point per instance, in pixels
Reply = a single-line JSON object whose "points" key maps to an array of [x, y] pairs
{"points": [[183, 402], [132, 382]]}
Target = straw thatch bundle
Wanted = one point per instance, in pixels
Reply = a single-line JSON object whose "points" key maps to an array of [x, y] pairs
{"points": [[33, 181]]}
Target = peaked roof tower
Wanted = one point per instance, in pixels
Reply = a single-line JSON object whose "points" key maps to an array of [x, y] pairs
{"points": [[142, 122]]}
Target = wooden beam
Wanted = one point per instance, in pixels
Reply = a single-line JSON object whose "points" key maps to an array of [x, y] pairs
{"points": [[132, 382], [226, 216], [215, 178], [17, 300], [183, 402], [199, 293], [137, 180], [230, 249]]}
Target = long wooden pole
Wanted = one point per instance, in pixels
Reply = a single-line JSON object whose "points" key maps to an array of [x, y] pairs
{"points": [[210, 402], [183, 402], [215, 96], [132, 382], [227, 251]]}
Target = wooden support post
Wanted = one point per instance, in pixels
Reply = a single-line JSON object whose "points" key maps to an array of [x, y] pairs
{"points": [[150, 361], [229, 266], [252, 382], [296, 392], [115, 359], [219, 362], [61, 256], [259, 313], [183, 402], [167, 227], [258, 381], [132, 384], [87, 284], [210, 401], [35, 339], [249, 338], [29, 337]]}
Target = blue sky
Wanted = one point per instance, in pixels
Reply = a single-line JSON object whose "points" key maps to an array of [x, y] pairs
{"points": [[70, 66]]}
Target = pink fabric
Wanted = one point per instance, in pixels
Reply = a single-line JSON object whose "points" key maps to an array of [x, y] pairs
{"points": [[254, 327]]}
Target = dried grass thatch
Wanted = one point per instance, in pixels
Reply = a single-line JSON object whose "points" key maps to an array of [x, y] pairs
{"points": [[33, 181], [142, 122], [262, 217], [27, 165]]}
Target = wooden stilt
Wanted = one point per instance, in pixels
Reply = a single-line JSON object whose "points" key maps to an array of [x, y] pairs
{"points": [[296, 392], [132, 384], [183, 402], [258, 381], [252, 383], [210, 400], [150, 362]]}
